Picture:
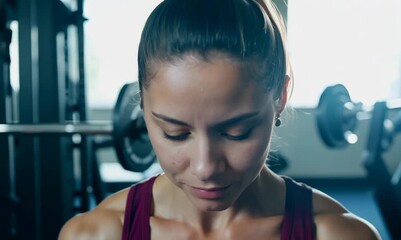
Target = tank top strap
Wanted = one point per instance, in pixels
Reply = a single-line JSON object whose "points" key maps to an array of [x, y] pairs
{"points": [[138, 210], [298, 222]]}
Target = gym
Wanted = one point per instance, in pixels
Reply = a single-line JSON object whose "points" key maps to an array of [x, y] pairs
{"points": [[72, 131]]}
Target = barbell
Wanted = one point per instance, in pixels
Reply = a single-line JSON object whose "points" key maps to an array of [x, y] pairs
{"points": [[337, 117], [127, 129]]}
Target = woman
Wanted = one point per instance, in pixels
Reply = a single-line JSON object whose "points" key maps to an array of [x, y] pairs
{"points": [[214, 78]]}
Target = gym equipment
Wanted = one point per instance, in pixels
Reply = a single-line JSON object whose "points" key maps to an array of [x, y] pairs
{"points": [[127, 130], [8, 198], [337, 117], [47, 173], [130, 137]]}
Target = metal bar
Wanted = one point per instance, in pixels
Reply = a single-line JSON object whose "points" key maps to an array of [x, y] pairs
{"points": [[87, 142], [56, 158], [28, 219], [391, 104], [366, 111], [81, 62], [59, 129], [362, 112], [6, 215]]}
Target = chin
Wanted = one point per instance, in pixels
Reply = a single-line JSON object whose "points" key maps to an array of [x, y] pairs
{"points": [[215, 205]]}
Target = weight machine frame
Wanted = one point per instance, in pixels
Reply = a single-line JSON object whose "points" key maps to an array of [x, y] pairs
{"points": [[7, 183], [387, 190]]}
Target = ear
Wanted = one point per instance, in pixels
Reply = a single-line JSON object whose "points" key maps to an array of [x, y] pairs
{"points": [[282, 100]]}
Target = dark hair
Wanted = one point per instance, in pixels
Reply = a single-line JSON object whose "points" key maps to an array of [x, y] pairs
{"points": [[250, 31]]}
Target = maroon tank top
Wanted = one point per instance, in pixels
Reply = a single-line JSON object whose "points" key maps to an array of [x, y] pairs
{"points": [[297, 222]]}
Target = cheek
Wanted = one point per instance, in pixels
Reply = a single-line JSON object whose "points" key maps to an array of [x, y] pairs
{"points": [[248, 157], [174, 164], [171, 159], [251, 155]]}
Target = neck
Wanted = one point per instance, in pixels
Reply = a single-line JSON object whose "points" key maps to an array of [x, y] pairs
{"points": [[263, 197]]}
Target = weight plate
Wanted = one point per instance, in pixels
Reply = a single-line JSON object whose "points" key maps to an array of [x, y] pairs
{"points": [[131, 141], [334, 121]]}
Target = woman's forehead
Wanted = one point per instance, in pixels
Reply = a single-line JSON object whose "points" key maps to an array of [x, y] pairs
{"points": [[218, 61], [217, 86], [192, 72], [196, 57]]}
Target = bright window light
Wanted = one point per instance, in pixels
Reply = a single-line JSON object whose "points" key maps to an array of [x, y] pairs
{"points": [[353, 42], [112, 35]]}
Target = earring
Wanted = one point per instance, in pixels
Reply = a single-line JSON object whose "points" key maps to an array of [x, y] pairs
{"points": [[277, 122]]}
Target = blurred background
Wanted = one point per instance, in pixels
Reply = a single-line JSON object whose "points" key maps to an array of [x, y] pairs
{"points": [[67, 61]]}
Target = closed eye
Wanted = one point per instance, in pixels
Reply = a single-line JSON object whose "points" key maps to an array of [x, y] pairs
{"points": [[179, 137], [238, 137]]}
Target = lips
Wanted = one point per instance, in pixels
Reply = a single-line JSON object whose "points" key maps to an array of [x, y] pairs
{"points": [[210, 193]]}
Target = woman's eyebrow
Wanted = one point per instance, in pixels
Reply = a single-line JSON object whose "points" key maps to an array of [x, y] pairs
{"points": [[237, 119], [170, 120], [224, 123]]}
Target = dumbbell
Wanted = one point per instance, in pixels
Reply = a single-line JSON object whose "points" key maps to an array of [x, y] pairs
{"points": [[337, 117]]}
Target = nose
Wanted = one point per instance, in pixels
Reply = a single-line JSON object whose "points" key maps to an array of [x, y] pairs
{"points": [[208, 161]]}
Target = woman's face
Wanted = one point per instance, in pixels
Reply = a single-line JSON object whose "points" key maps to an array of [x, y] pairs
{"points": [[210, 126]]}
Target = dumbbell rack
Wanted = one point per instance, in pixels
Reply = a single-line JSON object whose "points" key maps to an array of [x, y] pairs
{"points": [[387, 187], [337, 117]]}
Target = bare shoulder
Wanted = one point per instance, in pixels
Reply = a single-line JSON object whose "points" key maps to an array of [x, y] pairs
{"points": [[323, 203], [103, 222], [334, 221], [344, 226]]}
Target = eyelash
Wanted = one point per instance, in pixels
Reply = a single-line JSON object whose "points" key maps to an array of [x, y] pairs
{"points": [[184, 136], [180, 137], [238, 137]]}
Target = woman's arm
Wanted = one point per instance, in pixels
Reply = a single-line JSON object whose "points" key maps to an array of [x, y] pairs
{"points": [[96, 224], [344, 226], [334, 221], [103, 222]]}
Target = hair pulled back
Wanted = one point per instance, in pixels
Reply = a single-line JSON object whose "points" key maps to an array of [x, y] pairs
{"points": [[249, 31]]}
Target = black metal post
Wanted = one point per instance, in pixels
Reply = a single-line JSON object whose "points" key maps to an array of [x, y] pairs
{"points": [[5, 158], [28, 213], [45, 178], [378, 174], [57, 179], [86, 147]]}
